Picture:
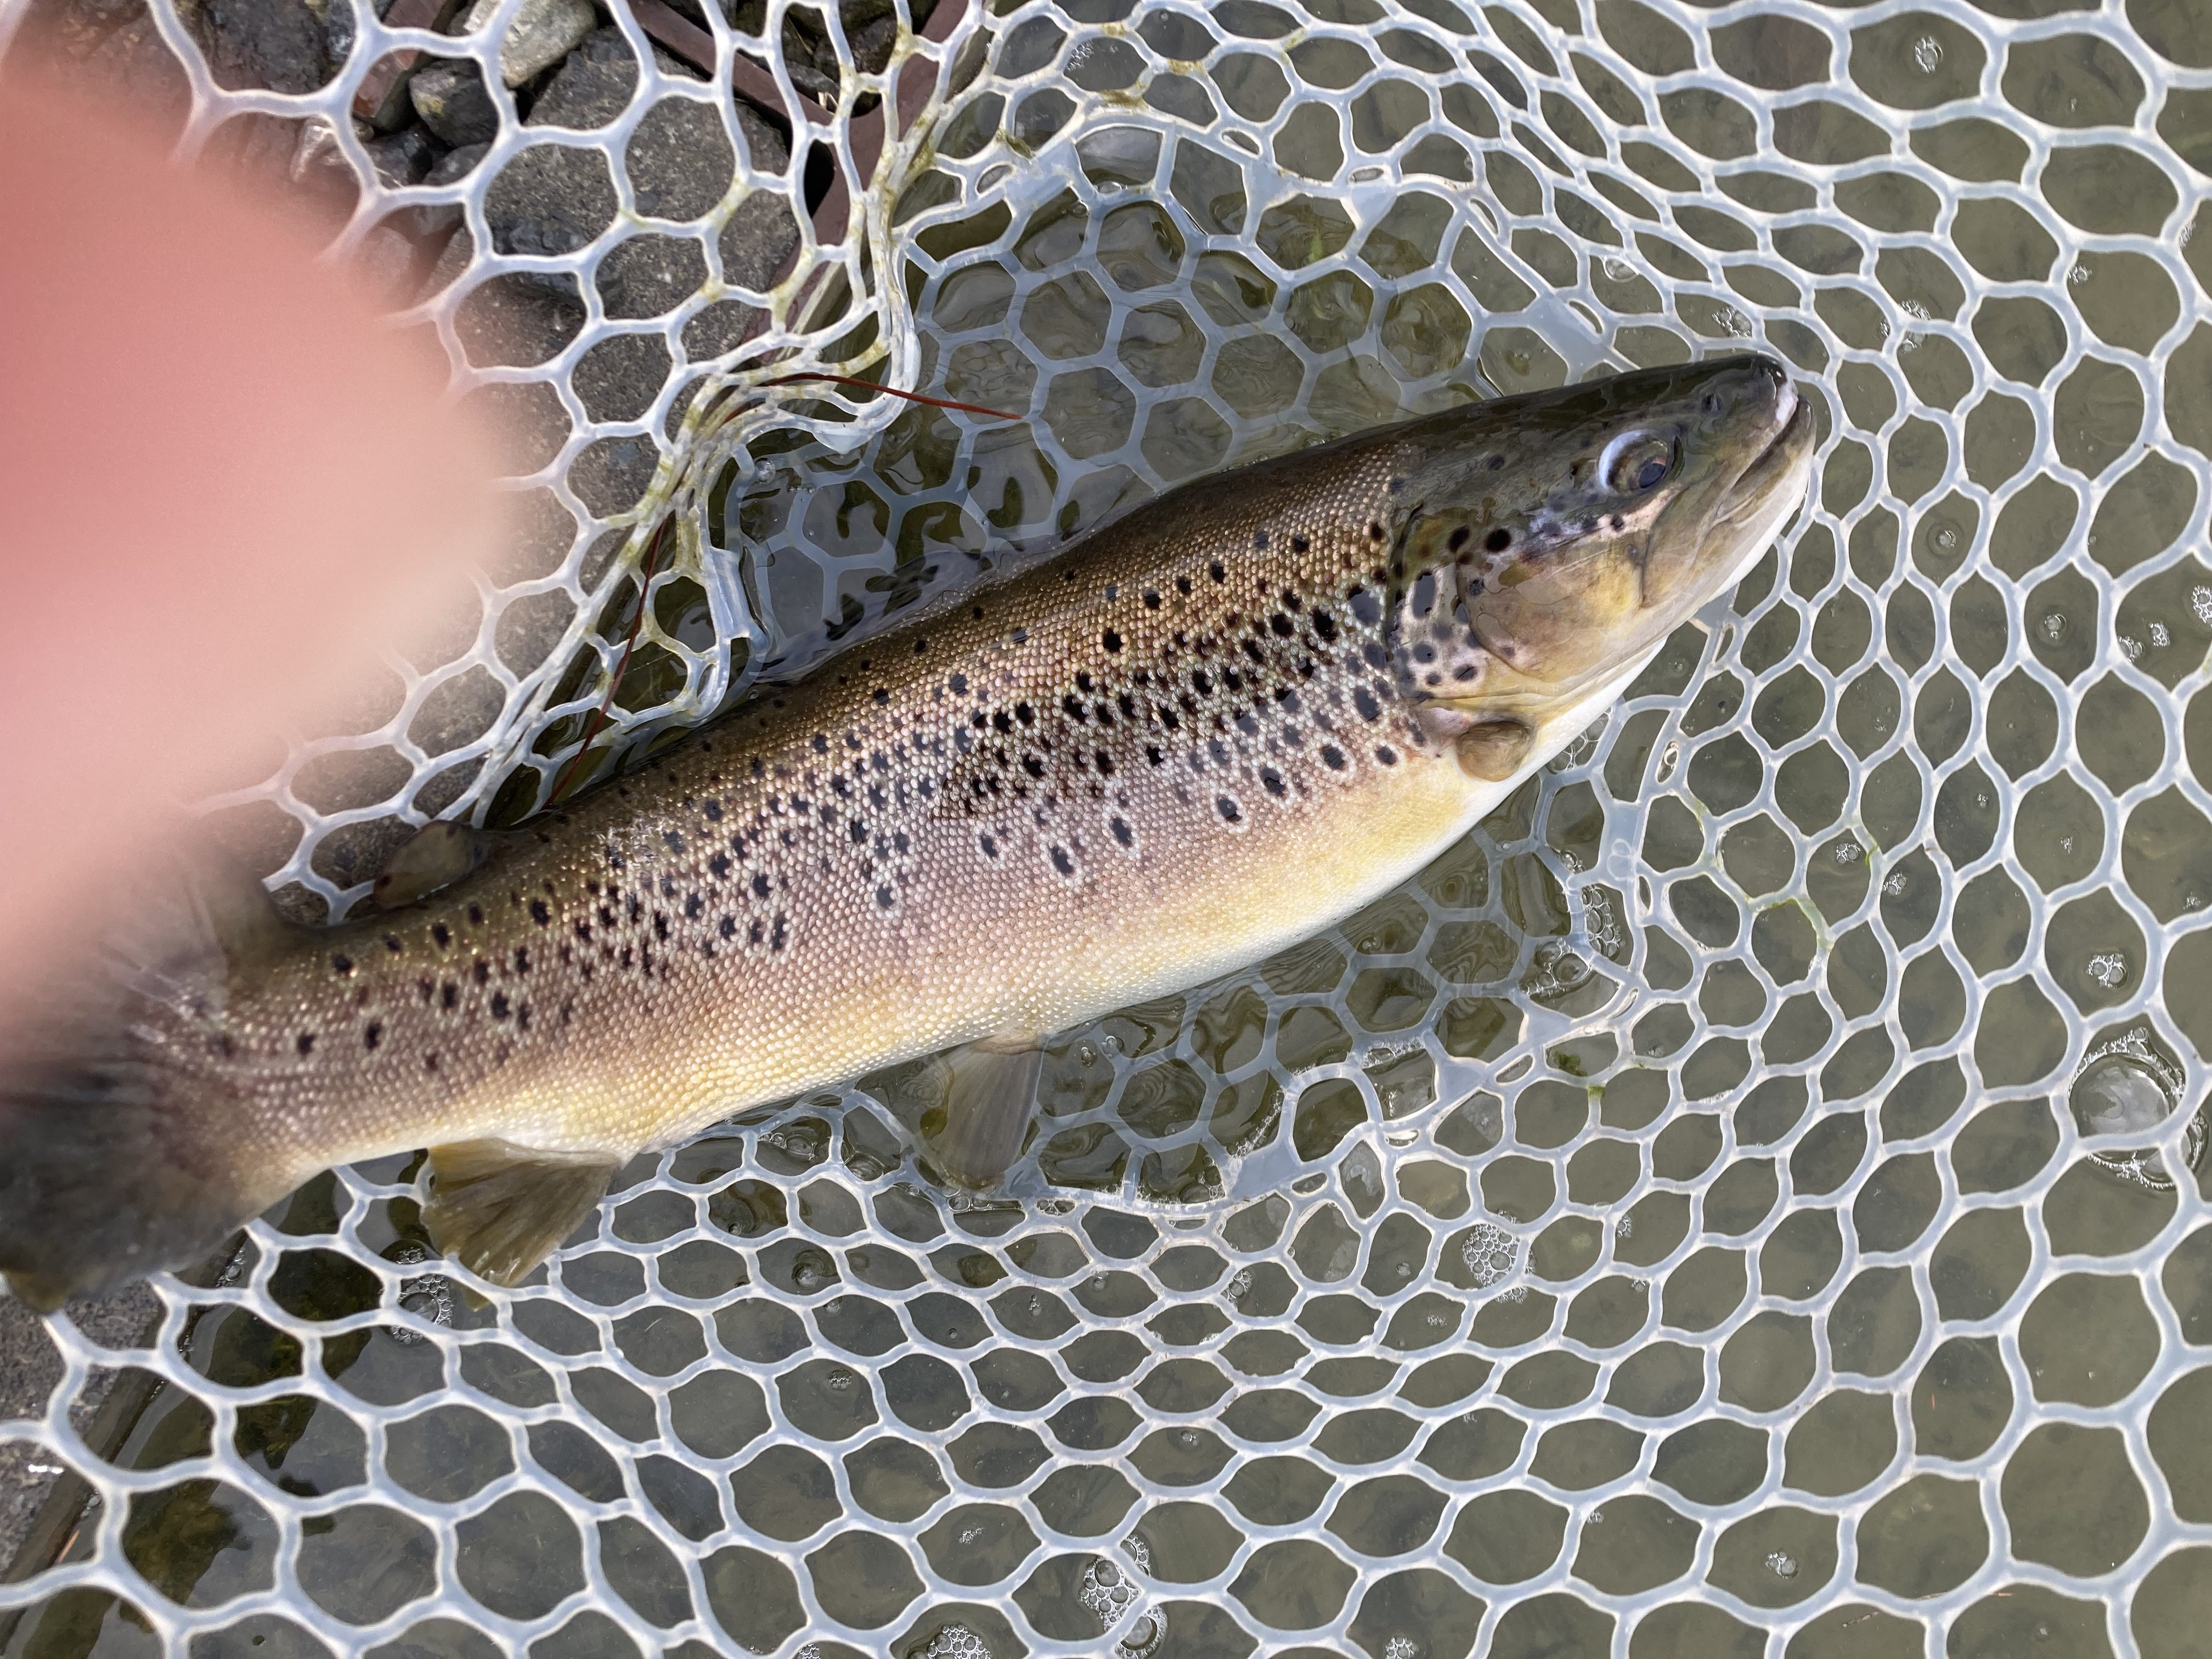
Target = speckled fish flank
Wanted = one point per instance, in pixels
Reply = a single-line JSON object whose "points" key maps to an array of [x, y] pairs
{"points": [[1223, 722]]}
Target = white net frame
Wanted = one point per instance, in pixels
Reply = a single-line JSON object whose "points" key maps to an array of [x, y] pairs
{"points": [[1421, 1290]]}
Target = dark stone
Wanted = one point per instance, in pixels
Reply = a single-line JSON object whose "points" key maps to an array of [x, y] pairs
{"points": [[453, 102]]}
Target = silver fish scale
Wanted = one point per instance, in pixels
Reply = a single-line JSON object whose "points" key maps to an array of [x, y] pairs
{"points": [[1708, 1214]]}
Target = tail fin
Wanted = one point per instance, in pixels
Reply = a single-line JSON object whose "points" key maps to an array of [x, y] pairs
{"points": [[114, 1161]]}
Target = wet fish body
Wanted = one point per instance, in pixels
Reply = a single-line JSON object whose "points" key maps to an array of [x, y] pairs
{"points": [[1223, 722]]}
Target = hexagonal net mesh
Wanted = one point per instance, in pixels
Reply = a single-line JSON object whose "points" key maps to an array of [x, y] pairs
{"points": [[1745, 1200]]}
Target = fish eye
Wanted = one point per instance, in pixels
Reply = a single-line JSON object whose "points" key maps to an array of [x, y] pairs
{"points": [[1635, 462]]}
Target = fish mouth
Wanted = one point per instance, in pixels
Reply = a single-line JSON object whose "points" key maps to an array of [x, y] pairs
{"points": [[1775, 478]]}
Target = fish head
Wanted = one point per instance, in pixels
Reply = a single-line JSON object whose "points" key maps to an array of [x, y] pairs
{"points": [[1540, 546]]}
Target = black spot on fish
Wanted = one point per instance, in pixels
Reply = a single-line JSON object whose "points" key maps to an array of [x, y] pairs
{"points": [[538, 913], [989, 845], [371, 1035], [1332, 758], [392, 944], [1324, 626], [1363, 701], [719, 867], [729, 928], [1153, 755], [483, 971], [1062, 862], [1282, 625], [713, 809], [1200, 679], [959, 684], [1498, 540], [859, 831], [880, 696], [500, 1007], [1374, 655], [1457, 539], [1033, 766], [1231, 812], [441, 933], [449, 996], [1365, 605], [1424, 593], [692, 906], [1152, 598], [883, 898], [1386, 754], [1260, 540], [780, 934], [760, 886], [1025, 714], [1496, 462], [1111, 640], [343, 964], [306, 1044], [1619, 523], [1182, 584], [1272, 780], [1375, 530]]}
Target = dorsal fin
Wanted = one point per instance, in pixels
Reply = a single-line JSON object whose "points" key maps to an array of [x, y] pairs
{"points": [[435, 856]]}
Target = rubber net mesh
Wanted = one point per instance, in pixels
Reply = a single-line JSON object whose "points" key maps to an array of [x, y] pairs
{"points": [[1743, 1201]]}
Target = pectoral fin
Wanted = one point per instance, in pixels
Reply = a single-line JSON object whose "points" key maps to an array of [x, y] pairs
{"points": [[500, 1209], [988, 1095]]}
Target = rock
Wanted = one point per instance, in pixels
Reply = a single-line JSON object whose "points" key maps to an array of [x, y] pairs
{"points": [[430, 223], [132, 62], [650, 275], [403, 159], [450, 97], [280, 45], [756, 243], [545, 32], [550, 199], [680, 159], [592, 88], [514, 321]]}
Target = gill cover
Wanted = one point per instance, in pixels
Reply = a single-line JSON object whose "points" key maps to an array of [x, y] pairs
{"points": [[1569, 532]]}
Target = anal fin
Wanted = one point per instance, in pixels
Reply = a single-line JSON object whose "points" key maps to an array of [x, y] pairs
{"points": [[500, 1209], [988, 1095]]}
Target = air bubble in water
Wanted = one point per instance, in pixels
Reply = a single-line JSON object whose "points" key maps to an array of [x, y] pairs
{"points": [[2159, 637], [2126, 1087], [2054, 626], [2108, 968], [2200, 604], [2132, 646], [1617, 268], [1489, 1252], [1780, 1565], [1849, 853], [1668, 757], [1926, 54], [1895, 883]]}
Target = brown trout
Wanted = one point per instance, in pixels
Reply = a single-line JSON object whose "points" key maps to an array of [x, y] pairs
{"points": [[1202, 732]]}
